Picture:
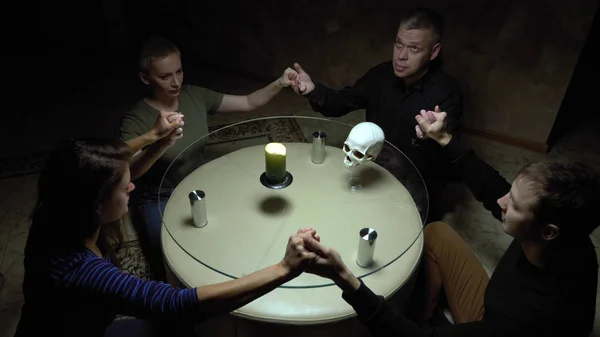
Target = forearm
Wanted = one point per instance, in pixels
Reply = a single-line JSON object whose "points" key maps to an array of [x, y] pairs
{"points": [[227, 296], [138, 143], [444, 139], [485, 182], [252, 101], [127, 293], [142, 162], [347, 281], [263, 96], [334, 103], [379, 316]]}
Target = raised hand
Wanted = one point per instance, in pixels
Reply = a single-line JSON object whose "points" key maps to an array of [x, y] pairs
{"points": [[301, 83], [166, 122], [432, 124], [288, 77]]}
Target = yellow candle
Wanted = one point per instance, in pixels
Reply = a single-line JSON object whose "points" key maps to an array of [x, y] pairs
{"points": [[275, 162]]}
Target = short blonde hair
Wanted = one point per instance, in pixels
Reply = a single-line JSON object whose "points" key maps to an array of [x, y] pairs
{"points": [[153, 49]]}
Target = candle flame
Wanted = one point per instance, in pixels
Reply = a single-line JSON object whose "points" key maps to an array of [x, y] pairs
{"points": [[275, 148]]}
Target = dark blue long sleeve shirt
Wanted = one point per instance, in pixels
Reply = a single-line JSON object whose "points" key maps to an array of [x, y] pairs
{"points": [[81, 294]]}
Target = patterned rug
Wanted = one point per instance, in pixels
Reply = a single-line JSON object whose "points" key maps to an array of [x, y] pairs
{"points": [[22, 165], [227, 140], [275, 130]]}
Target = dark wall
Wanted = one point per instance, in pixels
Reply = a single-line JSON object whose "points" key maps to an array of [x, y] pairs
{"points": [[579, 104], [514, 59]]}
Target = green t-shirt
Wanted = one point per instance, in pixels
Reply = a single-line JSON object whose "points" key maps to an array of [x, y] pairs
{"points": [[195, 103]]}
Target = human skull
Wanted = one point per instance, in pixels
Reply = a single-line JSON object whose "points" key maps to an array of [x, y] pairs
{"points": [[364, 142]]}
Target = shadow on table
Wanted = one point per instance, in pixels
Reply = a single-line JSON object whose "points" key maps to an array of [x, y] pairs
{"points": [[273, 205]]}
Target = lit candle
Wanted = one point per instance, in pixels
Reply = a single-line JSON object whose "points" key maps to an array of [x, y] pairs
{"points": [[275, 162]]}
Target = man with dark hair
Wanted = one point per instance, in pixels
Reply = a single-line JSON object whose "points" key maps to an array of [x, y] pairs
{"points": [[545, 283], [393, 92], [421, 18]]}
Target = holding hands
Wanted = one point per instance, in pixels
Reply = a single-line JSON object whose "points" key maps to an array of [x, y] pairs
{"points": [[168, 127], [297, 257], [301, 82], [305, 253], [166, 122], [328, 263], [298, 79], [177, 132], [287, 78]]}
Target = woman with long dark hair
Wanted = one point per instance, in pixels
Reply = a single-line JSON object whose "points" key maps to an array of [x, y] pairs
{"points": [[72, 284]]}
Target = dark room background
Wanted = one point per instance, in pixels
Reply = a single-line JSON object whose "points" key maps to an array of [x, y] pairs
{"points": [[513, 59]]}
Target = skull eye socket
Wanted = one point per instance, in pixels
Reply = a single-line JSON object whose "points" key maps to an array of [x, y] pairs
{"points": [[346, 147], [357, 154]]}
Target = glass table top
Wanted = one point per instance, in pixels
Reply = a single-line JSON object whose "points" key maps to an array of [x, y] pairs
{"points": [[243, 219]]}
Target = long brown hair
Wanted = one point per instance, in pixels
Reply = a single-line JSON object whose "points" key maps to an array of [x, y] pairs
{"points": [[78, 176]]}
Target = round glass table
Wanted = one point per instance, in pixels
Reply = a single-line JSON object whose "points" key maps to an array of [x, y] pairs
{"points": [[246, 222]]}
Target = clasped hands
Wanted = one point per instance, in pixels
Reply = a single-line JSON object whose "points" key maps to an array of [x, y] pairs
{"points": [[305, 253]]}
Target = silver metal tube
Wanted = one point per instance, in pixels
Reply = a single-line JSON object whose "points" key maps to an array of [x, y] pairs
{"points": [[198, 205], [318, 147], [366, 247]]}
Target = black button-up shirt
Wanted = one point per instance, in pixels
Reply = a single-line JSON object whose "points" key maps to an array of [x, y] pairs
{"points": [[393, 105]]}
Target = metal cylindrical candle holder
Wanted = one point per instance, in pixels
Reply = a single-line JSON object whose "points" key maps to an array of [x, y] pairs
{"points": [[198, 204], [366, 247], [318, 147]]}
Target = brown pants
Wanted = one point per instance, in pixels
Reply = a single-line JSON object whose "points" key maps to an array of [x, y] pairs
{"points": [[450, 265]]}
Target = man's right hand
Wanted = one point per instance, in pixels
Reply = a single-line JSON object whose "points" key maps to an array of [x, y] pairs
{"points": [[432, 124], [166, 122], [329, 264], [301, 83]]}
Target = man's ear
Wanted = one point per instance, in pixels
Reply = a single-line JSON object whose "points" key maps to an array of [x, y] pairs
{"points": [[435, 51], [550, 232]]}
